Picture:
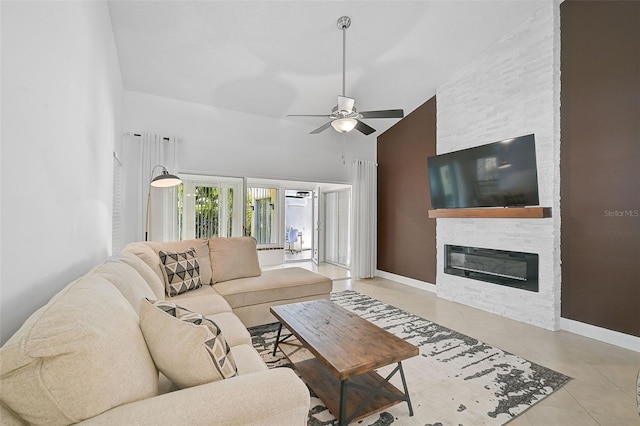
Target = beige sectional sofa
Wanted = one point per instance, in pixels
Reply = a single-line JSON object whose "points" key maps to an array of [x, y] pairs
{"points": [[231, 266], [91, 355]]}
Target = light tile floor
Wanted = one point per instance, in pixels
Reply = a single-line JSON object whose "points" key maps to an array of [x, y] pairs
{"points": [[603, 389], [295, 256]]}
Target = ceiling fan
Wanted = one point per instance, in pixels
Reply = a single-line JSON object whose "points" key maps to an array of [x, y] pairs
{"points": [[344, 116]]}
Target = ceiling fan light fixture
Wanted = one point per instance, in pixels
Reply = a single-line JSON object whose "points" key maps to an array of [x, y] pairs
{"points": [[344, 125]]}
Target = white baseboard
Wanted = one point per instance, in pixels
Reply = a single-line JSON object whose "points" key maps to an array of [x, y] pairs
{"points": [[616, 338], [422, 285], [623, 340]]}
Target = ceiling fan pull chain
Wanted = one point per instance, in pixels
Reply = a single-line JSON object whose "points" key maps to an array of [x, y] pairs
{"points": [[344, 162]]}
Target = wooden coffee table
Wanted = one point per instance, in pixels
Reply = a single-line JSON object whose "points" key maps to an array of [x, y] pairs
{"points": [[336, 353]]}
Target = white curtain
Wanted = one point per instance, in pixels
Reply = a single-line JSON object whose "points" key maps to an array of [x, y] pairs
{"points": [[117, 230], [364, 219], [156, 150], [337, 247]]}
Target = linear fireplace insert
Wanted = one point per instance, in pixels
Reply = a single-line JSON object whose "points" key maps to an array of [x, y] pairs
{"points": [[508, 268]]}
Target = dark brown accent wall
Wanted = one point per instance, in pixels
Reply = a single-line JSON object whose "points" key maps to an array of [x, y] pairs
{"points": [[406, 236], [600, 163]]}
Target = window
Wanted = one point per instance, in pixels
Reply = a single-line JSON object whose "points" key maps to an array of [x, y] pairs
{"points": [[262, 219], [213, 206], [210, 206]]}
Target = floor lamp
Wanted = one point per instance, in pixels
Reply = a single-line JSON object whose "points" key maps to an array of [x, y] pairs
{"points": [[163, 180]]}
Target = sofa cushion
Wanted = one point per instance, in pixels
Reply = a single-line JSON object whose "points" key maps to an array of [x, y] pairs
{"points": [[233, 258], [248, 360], [149, 256], [234, 330], [181, 270], [202, 248], [9, 418], [277, 285], [126, 279], [155, 283], [70, 359], [204, 300], [186, 347]]}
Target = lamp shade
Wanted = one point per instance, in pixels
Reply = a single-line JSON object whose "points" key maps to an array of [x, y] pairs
{"points": [[344, 125], [165, 180]]}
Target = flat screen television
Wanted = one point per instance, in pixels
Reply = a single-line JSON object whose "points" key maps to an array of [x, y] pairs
{"points": [[499, 174]]}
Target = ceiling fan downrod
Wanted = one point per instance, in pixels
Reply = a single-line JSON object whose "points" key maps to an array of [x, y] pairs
{"points": [[344, 117], [344, 22]]}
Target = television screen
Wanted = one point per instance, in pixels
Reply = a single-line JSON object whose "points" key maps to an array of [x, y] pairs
{"points": [[499, 174]]}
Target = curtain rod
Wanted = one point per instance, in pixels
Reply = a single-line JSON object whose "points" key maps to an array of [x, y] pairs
{"points": [[139, 135], [363, 161]]}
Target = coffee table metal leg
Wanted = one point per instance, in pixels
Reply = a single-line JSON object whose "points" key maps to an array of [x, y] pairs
{"points": [[343, 403], [280, 339], [372, 393], [275, 344], [378, 390], [406, 389]]}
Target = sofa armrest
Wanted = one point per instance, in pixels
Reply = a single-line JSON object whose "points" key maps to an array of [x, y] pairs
{"points": [[273, 397]]}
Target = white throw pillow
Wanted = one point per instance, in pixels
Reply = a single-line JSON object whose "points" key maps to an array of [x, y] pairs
{"points": [[185, 346], [233, 258]]}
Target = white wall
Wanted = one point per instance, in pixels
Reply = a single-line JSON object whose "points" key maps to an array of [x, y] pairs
{"points": [[61, 106], [222, 142], [513, 89]]}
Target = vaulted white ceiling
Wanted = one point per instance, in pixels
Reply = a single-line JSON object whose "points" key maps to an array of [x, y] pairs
{"points": [[274, 58]]}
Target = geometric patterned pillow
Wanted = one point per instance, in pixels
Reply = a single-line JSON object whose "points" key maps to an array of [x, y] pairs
{"points": [[181, 271], [183, 343]]}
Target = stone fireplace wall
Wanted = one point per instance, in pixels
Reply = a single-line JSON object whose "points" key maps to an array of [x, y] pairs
{"points": [[512, 89]]}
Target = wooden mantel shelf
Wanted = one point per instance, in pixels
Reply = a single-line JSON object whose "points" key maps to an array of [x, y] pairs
{"points": [[490, 212]]}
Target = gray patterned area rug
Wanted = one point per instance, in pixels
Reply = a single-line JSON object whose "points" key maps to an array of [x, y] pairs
{"points": [[456, 379]]}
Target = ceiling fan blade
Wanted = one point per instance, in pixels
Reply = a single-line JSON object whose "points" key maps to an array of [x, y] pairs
{"points": [[309, 115], [386, 113], [345, 104], [364, 128], [321, 128]]}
